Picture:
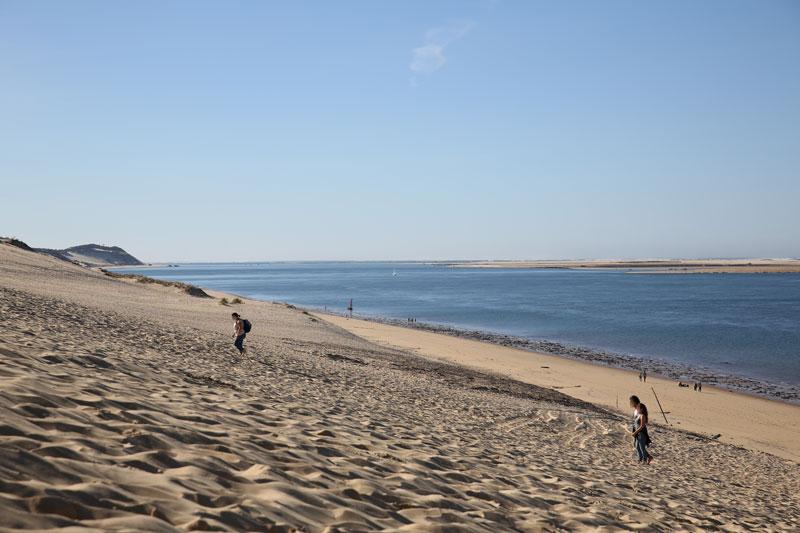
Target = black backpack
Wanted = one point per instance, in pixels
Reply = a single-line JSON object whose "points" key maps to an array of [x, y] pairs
{"points": [[247, 325]]}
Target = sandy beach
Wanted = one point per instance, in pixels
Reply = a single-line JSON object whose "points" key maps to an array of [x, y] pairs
{"points": [[125, 407]]}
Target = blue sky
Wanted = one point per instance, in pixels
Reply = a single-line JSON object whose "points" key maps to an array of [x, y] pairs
{"points": [[405, 130]]}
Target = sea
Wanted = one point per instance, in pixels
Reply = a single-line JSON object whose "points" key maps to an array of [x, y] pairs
{"points": [[744, 325]]}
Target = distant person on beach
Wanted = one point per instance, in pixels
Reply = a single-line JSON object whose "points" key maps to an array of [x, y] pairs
{"points": [[699, 387], [644, 376], [695, 386], [640, 376], [239, 332], [641, 438]]}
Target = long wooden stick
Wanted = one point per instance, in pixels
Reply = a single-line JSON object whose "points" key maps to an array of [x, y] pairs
{"points": [[659, 405]]}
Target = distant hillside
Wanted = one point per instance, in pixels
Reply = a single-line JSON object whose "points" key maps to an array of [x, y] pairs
{"points": [[11, 241], [94, 255]]}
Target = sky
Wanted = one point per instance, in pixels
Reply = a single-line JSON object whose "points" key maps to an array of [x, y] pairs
{"points": [[257, 131]]}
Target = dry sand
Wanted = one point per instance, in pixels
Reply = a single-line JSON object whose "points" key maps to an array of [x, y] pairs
{"points": [[124, 407]]}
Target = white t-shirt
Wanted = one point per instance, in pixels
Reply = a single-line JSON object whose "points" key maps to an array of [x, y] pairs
{"points": [[636, 418]]}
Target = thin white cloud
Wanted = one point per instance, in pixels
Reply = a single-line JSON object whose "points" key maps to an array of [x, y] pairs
{"points": [[429, 57]]}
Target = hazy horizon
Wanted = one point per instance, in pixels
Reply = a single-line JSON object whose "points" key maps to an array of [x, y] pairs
{"points": [[197, 131], [398, 260]]}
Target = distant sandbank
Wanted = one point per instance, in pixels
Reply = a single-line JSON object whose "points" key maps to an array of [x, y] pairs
{"points": [[653, 266]]}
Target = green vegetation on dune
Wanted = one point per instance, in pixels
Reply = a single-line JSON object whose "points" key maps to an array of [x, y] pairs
{"points": [[191, 290]]}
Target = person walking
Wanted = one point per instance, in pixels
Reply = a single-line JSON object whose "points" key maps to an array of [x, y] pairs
{"points": [[644, 376], [240, 328], [640, 436]]}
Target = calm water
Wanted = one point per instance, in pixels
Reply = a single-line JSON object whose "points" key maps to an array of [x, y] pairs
{"points": [[741, 324]]}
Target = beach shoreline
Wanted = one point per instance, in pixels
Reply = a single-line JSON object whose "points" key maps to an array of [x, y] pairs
{"points": [[770, 390]]}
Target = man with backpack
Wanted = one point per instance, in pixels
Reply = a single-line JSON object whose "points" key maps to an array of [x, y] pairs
{"points": [[241, 327]]}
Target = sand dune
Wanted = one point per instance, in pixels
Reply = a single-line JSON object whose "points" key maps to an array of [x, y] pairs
{"points": [[124, 407]]}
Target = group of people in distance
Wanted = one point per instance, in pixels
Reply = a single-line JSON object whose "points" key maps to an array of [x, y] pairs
{"points": [[698, 386]]}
